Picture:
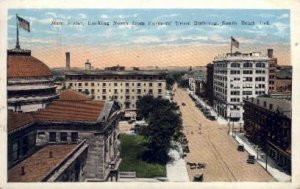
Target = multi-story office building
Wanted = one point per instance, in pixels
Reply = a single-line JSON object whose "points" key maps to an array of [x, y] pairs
{"points": [[267, 121], [236, 77], [123, 86]]}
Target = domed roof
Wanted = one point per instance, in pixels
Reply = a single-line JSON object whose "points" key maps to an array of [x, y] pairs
{"points": [[26, 66]]}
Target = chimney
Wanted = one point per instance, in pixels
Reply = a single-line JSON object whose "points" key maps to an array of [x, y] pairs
{"points": [[88, 65], [50, 154], [22, 170], [270, 53], [67, 60]]}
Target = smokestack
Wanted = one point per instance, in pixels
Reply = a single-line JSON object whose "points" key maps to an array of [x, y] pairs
{"points": [[270, 53], [67, 60], [88, 65]]}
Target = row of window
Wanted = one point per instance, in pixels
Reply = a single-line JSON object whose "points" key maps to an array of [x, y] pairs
{"points": [[116, 91], [63, 136], [114, 84], [115, 78]]}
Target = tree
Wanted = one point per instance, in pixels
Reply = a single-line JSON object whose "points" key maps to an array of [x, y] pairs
{"points": [[164, 125]]}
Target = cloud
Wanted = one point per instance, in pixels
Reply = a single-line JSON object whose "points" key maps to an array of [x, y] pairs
{"points": [[51, 14], [127, 16], [82, 16], [281, 27], [283, 16], [104, 16], [146, 39]]}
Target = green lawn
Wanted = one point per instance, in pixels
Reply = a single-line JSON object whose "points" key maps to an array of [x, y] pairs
{"points": [[130, 147]]}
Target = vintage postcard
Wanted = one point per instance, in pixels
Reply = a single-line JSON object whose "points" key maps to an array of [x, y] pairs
{"points": [[105, 95]]}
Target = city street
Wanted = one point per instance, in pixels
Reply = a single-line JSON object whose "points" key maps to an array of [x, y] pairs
{"points": [[210, 144]]}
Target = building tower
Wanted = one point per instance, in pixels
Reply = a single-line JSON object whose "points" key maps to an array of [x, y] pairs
{"points": [[68, 60]]}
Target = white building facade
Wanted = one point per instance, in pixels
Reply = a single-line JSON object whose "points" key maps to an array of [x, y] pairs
{"points": [[237, 77], [125, 87]]}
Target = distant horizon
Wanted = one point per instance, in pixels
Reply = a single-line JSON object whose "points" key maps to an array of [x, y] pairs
{"points": [[161, 41]]}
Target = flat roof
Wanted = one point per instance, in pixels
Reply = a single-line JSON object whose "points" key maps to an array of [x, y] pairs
{"points": [[122, 72], [39, 164]]}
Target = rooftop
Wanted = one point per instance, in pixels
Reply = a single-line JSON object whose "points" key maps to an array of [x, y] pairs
{"points": [[71, 95], [242, 56], [39, 164], [70, 107], [18, 120], [24, 65], [118, 72], [278, 105]]}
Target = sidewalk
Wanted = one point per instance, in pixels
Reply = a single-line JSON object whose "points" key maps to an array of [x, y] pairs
{"points": [[176, 170], [272, 168], [220, 120]]}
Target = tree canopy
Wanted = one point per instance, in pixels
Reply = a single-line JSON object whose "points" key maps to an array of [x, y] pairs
{"points": [[164, 125]]}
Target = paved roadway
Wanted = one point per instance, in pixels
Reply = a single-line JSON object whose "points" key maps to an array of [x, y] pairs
{"points": [[210, 143]]}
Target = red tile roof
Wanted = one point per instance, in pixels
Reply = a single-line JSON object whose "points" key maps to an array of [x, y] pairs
{"points": [[39, 164], [26, 66], [71, 111], [71, 95], [17, 120]]}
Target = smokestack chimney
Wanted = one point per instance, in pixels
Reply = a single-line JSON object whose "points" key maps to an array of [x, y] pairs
{"points": [[88, 65], [22, 170], [67, 60], [270, 53], [50, 154]]}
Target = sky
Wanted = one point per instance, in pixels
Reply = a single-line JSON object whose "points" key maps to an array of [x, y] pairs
{"points": [[161, 41]]}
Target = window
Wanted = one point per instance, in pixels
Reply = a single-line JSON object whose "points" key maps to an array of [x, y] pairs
{"points": [[116, 91], [139, 91], [104, 84], [103, 97], [74, 136], [103, 91], [150, 84], [79, 84], [79, 90], [247, 92], [247, 65], [259, 79], [150, 91], [127, 97], [260, 65], [139, 84], [52, 137], [115, 84], [247, 79], [70, 84], [93, 91], [127, 91], [159, 84], [247, 72], [15, 151], [132, 84], [271, 106], [265, 104], [235, 92], [235, 65], [86, 84], [92, 84], [63, 137], [159, 91], [233, 72], [127, 84]]}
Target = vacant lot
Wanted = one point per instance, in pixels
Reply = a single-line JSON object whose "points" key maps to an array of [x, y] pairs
{"points": [[131, 146]]}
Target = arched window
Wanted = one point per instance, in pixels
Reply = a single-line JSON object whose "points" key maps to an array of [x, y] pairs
{"points": [[260, 65], [247, 65], [235, 65]]}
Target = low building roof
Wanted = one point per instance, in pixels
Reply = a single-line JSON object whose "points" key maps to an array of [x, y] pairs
{"points": [[71, 111], [18, 120], [70, 107], [71, 95], [119, 73], [39, 164], [279, 105]]}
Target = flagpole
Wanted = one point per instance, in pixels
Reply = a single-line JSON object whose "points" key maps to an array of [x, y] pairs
{"points": [[231, 46], [17, 43]]}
